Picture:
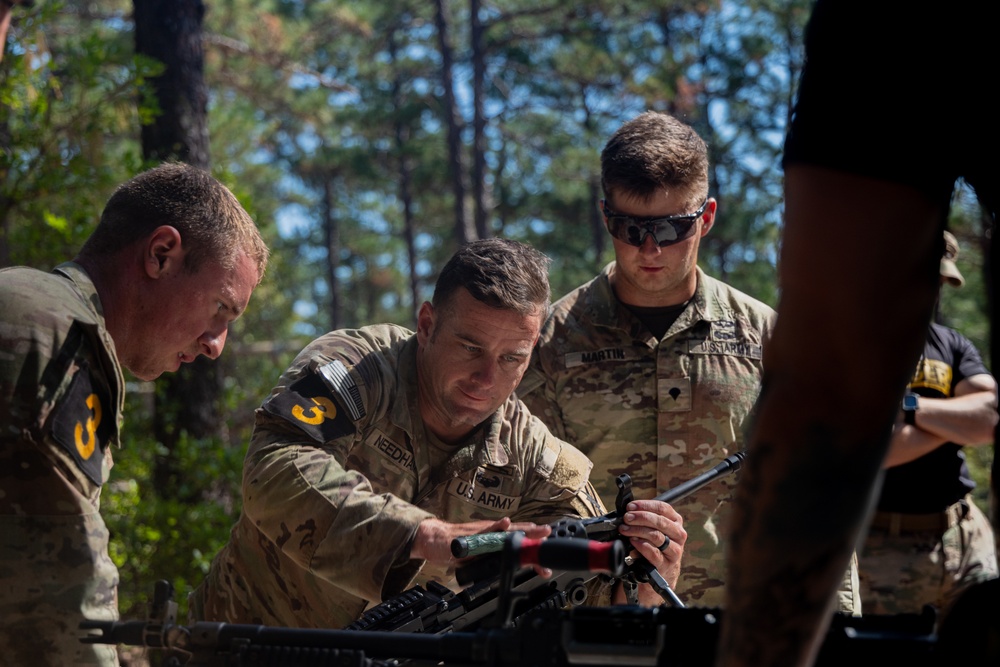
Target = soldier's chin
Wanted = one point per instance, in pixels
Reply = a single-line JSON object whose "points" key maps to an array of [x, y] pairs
{"points": [[145, 374], [471, 416]]}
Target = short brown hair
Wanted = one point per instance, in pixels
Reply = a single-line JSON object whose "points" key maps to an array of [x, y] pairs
{"points": [[498, 272], [212, 223], [651, 153]]}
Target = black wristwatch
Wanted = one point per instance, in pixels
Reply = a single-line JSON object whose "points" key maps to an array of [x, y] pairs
{"points": [[911, 403]]}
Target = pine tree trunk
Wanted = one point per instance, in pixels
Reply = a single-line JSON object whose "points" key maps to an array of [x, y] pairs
{"points": [[170, 31]]}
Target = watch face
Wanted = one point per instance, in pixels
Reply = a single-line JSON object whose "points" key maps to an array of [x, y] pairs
{"points": [[910, 402]]}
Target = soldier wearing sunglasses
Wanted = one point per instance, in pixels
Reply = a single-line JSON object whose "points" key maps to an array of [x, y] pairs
{"points": [[652, 367]]}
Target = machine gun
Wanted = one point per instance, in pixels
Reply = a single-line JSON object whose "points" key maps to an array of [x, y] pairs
{"points": [[624, 636], [500, 588], [471, 628]]}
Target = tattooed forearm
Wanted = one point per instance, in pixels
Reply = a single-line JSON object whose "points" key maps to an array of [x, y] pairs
{"points": [[790, 545]]}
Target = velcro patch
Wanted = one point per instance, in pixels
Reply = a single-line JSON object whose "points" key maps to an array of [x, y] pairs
{"points": [[477, 494], [398, 456], [608, 354], [307, 404], [735, 348], [81, 426], [723, 330], [340, 380], [674, 394]]}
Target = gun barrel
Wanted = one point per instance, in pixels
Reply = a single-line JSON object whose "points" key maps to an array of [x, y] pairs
{"points": [[114, 632], [728, 465]]}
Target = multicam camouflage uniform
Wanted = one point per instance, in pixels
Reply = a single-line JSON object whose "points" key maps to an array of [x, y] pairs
{"points": [[928, 540], [660, 410], [340, 471], [61, 395]]}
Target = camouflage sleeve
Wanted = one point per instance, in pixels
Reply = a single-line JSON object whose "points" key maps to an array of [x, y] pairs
{"points": [[325, 517], [59, 412]]}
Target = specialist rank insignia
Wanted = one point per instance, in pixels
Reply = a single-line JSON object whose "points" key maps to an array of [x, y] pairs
{"points": [[307, 404]]}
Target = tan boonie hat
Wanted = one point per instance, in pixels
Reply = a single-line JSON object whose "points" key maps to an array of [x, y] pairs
{"points": [[949, 270]]}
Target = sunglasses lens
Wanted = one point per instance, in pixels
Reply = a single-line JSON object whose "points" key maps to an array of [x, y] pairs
{"points": [[675, 231], [634, 233]]}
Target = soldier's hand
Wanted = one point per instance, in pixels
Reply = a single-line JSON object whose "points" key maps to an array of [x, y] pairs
{"points": [[433, 539], [656, 531]]}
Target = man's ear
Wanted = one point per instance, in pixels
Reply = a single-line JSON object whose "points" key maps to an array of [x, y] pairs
{"points": [[425, 323], [163, 253], [600, 210], [708, 217]]}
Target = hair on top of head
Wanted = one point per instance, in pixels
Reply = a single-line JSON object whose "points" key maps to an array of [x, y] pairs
{"points": [[212, 223], [652, 153], [498, 272]]}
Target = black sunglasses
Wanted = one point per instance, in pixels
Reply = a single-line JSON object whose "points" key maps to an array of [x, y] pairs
{"points": [[665, 231]]}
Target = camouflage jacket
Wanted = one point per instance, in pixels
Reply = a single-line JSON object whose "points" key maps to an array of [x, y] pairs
{"points": [[61, 397], [340, 472], [660, 410]]}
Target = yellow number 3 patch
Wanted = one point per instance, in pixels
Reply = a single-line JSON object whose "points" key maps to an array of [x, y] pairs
{"points": [[86, 447], [322, 410], [308, 405]]}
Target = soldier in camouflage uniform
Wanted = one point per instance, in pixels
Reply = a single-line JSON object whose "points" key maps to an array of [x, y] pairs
{"points": [[928, 541], [652, 368], [173, 260], [379, 446]]}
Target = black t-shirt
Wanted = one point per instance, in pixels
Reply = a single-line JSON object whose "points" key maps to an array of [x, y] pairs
{"points": [[855, 93], [657, 320], [939, 478]]}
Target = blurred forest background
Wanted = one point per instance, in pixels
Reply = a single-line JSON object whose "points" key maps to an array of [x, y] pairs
{"points": [[368, 139]]}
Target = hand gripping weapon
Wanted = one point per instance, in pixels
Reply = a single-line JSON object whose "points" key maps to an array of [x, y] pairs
{"points": [[500, 587]]}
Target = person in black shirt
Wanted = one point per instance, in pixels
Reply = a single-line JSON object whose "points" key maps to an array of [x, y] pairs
{"points": [[928, 541]]}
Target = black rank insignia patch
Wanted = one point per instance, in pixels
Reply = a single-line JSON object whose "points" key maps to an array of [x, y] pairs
{"points": [[307, 404], [84, 423]]}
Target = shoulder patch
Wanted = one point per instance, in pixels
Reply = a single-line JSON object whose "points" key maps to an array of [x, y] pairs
{"points": [[307, 404], [340, 380], [82, 427]]}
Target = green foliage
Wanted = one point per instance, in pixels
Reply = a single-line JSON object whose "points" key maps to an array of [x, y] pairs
{"points": [[156, 538], [966, 308], [68, 96]]}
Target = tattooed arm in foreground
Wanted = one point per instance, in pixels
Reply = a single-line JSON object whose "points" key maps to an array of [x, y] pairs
{"points": [[826, 410]]}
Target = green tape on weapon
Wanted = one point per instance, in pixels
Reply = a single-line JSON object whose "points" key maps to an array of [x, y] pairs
{"points": [[474, 545]]}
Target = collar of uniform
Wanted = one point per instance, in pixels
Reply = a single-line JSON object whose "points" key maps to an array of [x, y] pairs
{"points": [[402, 411], [700, 307], [85, 286], [604, 309], [79, 277], [487, 438], [494, 433]]}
